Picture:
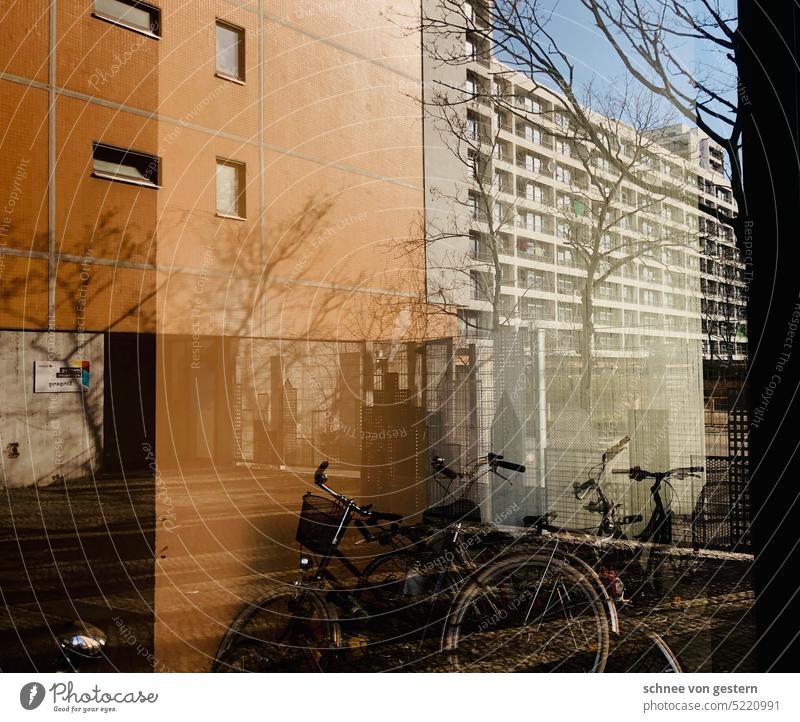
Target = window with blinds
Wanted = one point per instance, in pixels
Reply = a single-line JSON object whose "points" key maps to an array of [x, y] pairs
{"points": [[122, 164], [131, 14]]}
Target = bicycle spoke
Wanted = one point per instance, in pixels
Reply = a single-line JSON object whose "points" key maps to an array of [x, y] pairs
{"points": [[530, 615]]}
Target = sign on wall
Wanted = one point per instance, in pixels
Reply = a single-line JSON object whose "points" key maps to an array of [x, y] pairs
{"points": [[61, 377]]}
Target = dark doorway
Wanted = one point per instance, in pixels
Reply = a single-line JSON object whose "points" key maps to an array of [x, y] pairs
{"points": [[129, 414]]}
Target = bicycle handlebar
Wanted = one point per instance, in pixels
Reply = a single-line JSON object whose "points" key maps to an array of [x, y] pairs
{"points": [[492, 460], [639, 474], [441, 468], [520, 468], [495, 460], [320, 479]]}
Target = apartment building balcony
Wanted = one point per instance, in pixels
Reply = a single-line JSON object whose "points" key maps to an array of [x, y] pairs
{"points": [[532, 135], [605, 317], [542, 204], [533, 280], [534, 309], [535, 251], [536, 166], [526, 227], [608, 342]]}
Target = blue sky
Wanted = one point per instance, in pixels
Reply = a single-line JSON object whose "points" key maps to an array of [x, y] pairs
{"points": [[592, 55]]}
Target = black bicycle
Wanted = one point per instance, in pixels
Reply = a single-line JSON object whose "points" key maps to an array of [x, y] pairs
{"points": [[502, 610], [493, 605], [298, 626], [610, 549]]}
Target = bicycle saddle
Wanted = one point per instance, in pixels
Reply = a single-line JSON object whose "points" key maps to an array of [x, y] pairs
{"points": [[458, 510]]}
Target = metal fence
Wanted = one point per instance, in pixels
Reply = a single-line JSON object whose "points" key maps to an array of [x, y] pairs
{"points": [[386, 408]]}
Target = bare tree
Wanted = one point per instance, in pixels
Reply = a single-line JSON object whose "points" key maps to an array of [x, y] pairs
{"points": [[614, 134], [722, 313], [482, 207], [650, 36], [604, 203]]}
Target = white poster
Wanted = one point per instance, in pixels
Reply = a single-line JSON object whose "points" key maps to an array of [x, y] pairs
{"points": [[61, 377]]}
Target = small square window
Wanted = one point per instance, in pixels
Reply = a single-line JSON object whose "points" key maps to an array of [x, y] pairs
{"points": [[230, 51], [122, 164], [130, 14], [230, 189]]}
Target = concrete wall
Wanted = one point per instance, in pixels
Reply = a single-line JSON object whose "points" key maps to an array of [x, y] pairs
{"points": [[447, 219], [57, 433]]}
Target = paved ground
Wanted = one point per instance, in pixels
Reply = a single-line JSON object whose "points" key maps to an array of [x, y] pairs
{"points": [[88, 550], [705, 617]]}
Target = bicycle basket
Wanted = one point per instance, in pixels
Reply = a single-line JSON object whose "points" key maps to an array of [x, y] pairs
{"points": [[319, 520]]}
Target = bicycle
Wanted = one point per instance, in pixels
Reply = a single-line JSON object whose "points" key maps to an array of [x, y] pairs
{"points": [[295, 627], [512, 610], [607, 555]]}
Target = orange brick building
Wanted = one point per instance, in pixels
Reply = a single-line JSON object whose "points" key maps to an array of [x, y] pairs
{"points": [[178, 182]]}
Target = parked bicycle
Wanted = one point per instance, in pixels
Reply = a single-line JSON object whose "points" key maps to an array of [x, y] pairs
{"points": [[498, 608], [503, 610], [617, 563], [297, 627]]}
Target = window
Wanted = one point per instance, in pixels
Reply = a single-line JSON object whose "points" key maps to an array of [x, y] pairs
{"points": [[564, 231], [128, 166], [607, 290], [650, 298], [470, 50], [130, 14], [534, 193], [563, 174], [565, 257], [230, 189], [230, 51], [531, 105], [532, 163], [472, 204], [472, 164], [531, 221], [566, 284], [472, 127], [566, 312]]}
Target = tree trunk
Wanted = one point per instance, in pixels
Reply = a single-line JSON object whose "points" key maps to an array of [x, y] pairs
{"points": [[497, 296], [587, 344]]}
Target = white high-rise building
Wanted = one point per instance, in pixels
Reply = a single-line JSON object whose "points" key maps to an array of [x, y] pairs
{"points": [[651, 316]]}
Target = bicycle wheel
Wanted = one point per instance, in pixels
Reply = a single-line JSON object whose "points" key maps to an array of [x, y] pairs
{"points": [[393, 594], [288, 630], [643, 651], [528, 613]]}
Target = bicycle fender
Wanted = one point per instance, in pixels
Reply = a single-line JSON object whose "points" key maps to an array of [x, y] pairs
{"points": [[594, 577]]}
